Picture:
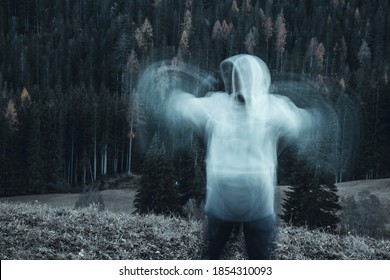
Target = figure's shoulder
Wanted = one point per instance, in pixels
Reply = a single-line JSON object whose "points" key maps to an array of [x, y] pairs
{"points": [[215, 105], [278, 99], [212, 99], [217, 95], [281, 102], [216, 98]]}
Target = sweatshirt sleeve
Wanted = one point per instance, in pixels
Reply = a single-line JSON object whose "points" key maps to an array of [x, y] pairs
{"points": [[294, 122], [185, 108]]}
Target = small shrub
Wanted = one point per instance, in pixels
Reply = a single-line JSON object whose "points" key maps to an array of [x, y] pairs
{"points": [[193, 210], [364, 216], [90, 197]]}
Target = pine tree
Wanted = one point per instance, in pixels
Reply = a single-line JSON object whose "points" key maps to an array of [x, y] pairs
{"points": [[158, 191], [11, 115], [136, 119], [36, 182], [315, 56], [11, 166], [191, 175], [51, 120], [364, 54], [268, 29], [184, 42], [144, 35], [312, 199], [280, 38], [234, 7], [251, 40], [364, 57]]}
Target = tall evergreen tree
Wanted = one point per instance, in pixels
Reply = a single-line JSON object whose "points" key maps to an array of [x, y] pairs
{"points": [[158, 191], [280, 38], [312, 199], [35, 171], [190, 171]]}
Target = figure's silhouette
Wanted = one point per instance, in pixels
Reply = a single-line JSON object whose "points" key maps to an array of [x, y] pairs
{"points": [[242, 126]]}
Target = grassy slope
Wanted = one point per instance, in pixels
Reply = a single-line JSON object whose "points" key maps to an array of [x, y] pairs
{"points": [[378, 187], [35, 231], [118, 195], [120, 200]]}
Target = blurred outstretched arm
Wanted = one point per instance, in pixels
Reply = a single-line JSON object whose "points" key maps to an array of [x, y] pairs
{"points": [[295, 123], [185, 108]]}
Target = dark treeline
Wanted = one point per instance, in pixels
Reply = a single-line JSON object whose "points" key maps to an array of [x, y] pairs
{"points": [[68, 73]]}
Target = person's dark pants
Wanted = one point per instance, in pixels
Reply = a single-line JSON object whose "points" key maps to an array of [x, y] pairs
{"points": [[259, 237]]}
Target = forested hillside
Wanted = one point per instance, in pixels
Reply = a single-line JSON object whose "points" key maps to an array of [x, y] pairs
{"points": [[69, 111]]}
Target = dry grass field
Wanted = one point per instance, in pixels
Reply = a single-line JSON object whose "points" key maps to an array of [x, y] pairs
{"points": [[37, 231], [48, 227]]}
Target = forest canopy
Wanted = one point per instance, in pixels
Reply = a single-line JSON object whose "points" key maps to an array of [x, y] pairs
{"points": [[69, 112]]}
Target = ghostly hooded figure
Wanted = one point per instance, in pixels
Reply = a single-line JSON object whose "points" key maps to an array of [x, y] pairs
{"points": [[242, 127]]}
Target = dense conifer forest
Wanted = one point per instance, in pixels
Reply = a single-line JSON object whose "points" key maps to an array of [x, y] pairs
{"points": [[69, 112]]}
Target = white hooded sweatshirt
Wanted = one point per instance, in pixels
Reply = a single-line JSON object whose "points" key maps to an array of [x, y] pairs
{"points": [[242, 127]]}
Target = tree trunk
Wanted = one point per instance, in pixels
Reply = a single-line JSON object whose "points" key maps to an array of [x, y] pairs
{"points": [[72, 161], [130, 143], [90, 171], [104, 160], [95, 149]]}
